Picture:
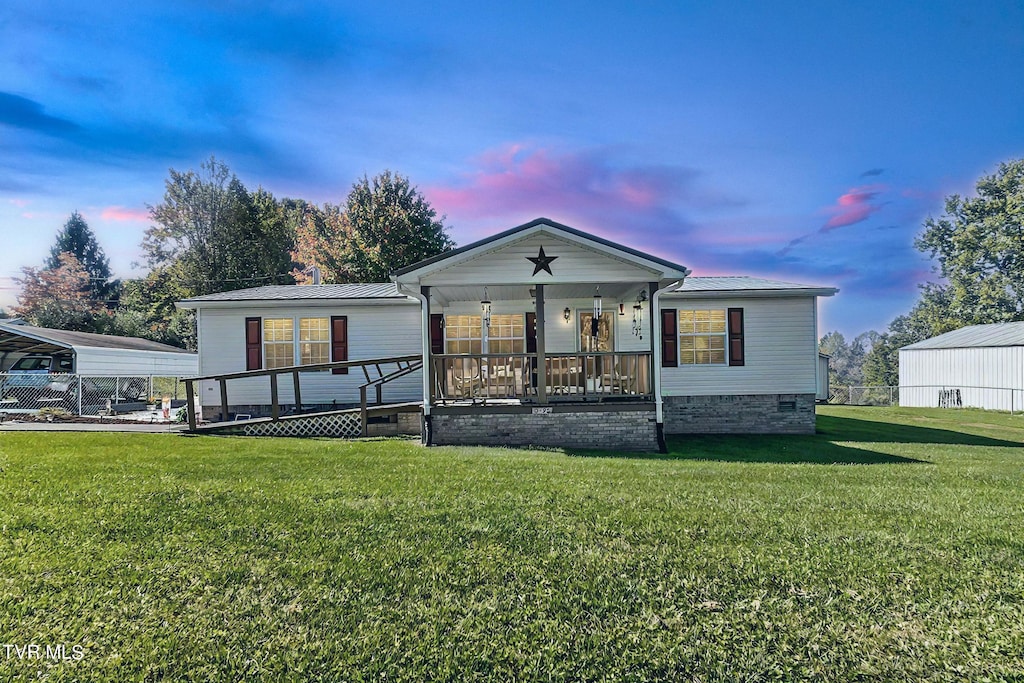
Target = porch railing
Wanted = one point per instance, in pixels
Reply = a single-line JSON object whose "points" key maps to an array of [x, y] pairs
{"points": [[516, 376]]}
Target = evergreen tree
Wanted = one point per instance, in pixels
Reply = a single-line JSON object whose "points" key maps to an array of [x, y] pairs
{"points": [[77, 239]]}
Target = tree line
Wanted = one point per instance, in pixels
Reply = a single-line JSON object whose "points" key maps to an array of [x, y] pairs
{"points": [[977, 247], [212, 234]]}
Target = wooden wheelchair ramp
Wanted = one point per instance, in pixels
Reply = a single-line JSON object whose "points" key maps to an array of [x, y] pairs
{"points": [[349, 423], [361, 420]]}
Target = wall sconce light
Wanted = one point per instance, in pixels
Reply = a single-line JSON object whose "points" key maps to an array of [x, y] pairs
{"points": [[566, 314]]}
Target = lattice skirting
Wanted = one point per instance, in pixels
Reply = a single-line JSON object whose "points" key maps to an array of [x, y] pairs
{"points": [[336, 425]]}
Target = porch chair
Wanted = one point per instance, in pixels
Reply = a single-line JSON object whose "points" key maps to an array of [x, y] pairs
{"points": [[466, 377]]}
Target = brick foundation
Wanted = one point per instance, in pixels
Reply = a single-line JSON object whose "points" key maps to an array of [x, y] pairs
{"points": [[618, 428], [751, 414]]}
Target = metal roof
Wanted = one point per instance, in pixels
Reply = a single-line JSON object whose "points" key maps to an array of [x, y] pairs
{"points": [[44, 339], [743, 283], [377, 290], [975, 336]]}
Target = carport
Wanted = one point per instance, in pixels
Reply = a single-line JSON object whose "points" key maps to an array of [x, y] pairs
{"points": [[94, 369], [96, 354]]}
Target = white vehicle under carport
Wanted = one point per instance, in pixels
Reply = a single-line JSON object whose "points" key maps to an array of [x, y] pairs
{"points": [[80, 371], [40, 381]]}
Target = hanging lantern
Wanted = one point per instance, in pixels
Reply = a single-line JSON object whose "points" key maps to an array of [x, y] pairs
{"points": [[567, 314], [622, 308]]}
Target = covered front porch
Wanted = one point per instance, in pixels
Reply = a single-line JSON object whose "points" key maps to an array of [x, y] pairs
{"points": [[541, 335]]}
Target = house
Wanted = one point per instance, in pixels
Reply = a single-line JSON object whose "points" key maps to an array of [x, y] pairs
{"points": [[539, 335], [980, 366]]}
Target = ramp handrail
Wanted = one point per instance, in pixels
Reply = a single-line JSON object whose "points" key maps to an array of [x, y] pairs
{"points": [[406, 364]]}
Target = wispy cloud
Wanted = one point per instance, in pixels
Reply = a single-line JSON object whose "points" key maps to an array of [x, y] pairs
{"points": [[21, 112], [120, 213], [856, 205], [591, 189]]}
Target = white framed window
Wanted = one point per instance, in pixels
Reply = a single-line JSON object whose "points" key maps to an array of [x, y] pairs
{"points": [[462, 334], [702, 337], [507, 333], [278, 342], [314, 341]]}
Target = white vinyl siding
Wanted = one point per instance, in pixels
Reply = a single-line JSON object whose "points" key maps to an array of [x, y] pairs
{"points": [[374, 331], [780, 343], [509, 263]]}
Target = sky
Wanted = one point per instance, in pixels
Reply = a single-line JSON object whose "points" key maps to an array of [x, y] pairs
{"points": [[801, 141]]}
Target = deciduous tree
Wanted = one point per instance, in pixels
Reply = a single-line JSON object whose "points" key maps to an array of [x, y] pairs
{"points": [[979, 246], [58, 297]]}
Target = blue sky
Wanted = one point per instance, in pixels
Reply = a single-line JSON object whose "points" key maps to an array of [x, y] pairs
{"points": [[801, 141]]}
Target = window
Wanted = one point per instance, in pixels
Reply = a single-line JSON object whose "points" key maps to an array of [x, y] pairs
{"points": [[314, 341], [507, 334], [271, 342], [279, 342], [462, 334], [702, 335]]}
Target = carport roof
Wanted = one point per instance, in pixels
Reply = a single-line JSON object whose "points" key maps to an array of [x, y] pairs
{"points": [[26, 338]]}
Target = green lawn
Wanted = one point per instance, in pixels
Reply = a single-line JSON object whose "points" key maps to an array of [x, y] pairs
{"points": [[889, 546]]}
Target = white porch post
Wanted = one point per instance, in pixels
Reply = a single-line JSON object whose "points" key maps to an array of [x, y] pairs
{"points": [[542, 375], [428, 362]]}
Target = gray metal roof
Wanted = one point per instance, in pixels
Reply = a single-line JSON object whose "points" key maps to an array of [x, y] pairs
{"points": [[743, 283], [27, 337], [377, 290], [974, 336]]}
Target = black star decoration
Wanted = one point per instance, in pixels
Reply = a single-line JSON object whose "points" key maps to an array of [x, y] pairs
{"points": [[541, 262]]}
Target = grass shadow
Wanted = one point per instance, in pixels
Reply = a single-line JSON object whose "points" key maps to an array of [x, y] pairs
{"points": [[875, 431], [838, 441]]}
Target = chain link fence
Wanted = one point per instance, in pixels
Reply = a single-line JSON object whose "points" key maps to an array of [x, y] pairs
{"points": [[85, 394], [930, 396]]}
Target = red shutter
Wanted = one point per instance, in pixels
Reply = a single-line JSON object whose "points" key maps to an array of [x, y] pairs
{"points": [[253, 344], [669, 339], [531, 332], [736, 356], [339, 342], [437, 333]]}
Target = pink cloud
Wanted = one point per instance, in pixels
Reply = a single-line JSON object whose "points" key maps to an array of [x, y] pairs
{"points": [[853, 207], [120, 213], [640, 205], [20, 203]]}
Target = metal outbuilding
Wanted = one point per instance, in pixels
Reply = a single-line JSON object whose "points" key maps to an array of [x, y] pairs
{"points": [[96, 354], [980, 366]]}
